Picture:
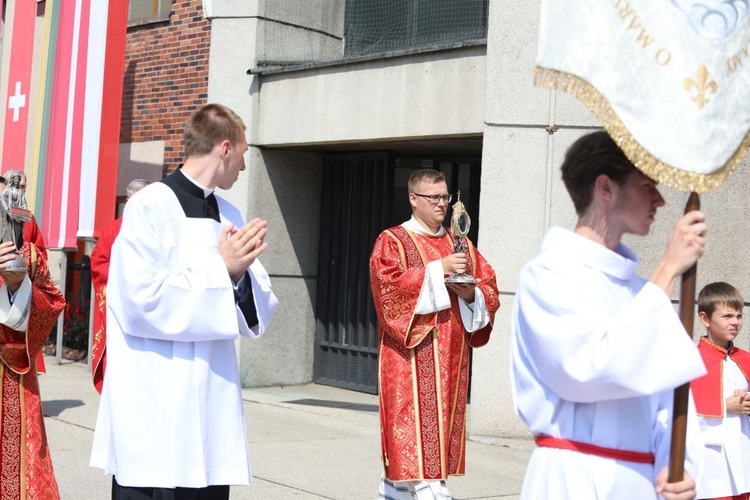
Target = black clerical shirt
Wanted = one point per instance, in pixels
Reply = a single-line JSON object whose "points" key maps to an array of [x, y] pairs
{"points": [[196, 205]]}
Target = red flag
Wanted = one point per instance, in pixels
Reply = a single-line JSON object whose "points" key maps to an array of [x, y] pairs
{"points": [[19, 82]]}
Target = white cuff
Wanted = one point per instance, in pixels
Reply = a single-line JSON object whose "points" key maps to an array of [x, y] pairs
{"points": [[15, 315], [474, 316], [433, 296]]}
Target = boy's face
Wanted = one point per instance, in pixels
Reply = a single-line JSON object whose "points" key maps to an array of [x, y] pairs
{"points": [[724, 324]]}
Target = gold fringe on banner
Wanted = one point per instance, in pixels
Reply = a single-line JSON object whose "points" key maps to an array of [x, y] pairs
{"points": [[661, 172]]}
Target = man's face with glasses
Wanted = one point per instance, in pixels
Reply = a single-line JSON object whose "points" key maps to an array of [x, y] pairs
{"points": [[430, 203]]}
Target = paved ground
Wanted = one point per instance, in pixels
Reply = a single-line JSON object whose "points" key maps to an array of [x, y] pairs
{"points": [[306, 442]]}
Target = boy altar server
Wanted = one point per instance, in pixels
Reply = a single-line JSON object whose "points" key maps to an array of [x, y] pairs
{"points": [[721, 397], [185, 281], [596, 350]]}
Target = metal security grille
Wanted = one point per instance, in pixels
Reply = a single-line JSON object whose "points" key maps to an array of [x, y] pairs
{"points": [[352, 216], [364, 194], [378, 26]]}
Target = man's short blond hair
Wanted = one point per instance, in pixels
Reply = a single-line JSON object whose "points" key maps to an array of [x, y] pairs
{"points": [[209, 126], [428, 175]]}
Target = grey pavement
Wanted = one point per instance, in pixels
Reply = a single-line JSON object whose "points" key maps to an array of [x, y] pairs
{"points": [[306, 442]]}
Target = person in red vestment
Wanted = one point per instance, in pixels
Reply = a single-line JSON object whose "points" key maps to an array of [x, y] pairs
{"points": [[30, 304], [99, 273], [721, 398], [32, 234], [425, 330]]}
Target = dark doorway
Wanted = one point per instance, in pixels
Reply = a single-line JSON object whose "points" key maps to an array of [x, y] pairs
{"points": [[363, 194]]}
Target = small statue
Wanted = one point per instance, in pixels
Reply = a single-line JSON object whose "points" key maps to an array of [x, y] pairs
{"points": [[13, 214], [13, 196]]}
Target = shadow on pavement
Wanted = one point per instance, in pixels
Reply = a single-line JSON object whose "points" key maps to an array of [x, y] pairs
{"points": [[55, 407], [334, 404]]}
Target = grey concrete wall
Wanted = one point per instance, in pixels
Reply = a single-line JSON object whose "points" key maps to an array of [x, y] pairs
{"points": [[521, 169], [232, 54], [289, 32], [424, 95], [281, 187], [289, 187], [301, 31]]}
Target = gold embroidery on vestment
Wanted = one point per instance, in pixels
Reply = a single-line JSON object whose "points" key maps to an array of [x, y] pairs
{"points": [[11, 436], [417, 422], [22, 400], [439, 410]]}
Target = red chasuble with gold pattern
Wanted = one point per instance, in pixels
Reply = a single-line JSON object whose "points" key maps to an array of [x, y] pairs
{"points": [[25, 463], [423, 359], [708, 390], [100, 256]]}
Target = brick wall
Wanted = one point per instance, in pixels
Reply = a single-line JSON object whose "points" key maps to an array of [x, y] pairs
{"points": [[166, 78]]}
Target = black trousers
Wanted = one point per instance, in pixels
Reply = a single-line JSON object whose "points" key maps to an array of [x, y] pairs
{"points": [[137, 493]]}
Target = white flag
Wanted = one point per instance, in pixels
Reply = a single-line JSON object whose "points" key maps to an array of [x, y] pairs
{"points": [[669, 79]]}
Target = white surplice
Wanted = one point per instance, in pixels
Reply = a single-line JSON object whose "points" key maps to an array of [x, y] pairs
{"points": [[725, 470], [171, 408], [596, 351]]}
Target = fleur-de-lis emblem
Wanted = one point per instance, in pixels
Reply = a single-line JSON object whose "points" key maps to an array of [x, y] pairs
{"points": [[702, 85]]}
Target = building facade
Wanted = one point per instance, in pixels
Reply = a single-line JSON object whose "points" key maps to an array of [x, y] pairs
{"points": [[343, 99], [320, 125]]}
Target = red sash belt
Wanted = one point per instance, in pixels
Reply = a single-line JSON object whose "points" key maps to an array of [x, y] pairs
{"points": [[591, 449]]}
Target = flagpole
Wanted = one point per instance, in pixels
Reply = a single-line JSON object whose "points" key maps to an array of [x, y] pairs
{"points": [[61, 318], [682, 393]]}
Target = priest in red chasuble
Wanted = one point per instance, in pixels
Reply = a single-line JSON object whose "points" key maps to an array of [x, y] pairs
{"points": [[29, 306], [425, 328]]}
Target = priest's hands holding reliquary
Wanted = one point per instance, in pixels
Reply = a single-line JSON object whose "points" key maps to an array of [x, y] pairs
{"points": [[457, 263], [454, 263], [239, 247]]}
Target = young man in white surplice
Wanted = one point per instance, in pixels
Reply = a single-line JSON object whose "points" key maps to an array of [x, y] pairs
{"points": [[184, 282], [596, 350]]}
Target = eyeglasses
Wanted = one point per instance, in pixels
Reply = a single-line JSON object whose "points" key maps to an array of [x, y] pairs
{"points": [[434, 199]]}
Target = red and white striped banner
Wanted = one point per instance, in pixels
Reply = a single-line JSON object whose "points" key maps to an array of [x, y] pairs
{"points": [[80, 182]]}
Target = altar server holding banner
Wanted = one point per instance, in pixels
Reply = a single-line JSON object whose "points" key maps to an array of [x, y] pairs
{"points": [[669, 82], [184, 282], [596, 350]]}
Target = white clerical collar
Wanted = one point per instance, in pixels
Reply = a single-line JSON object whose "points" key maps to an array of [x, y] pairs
{"points": [[206, 191], [620, 263], [414, 226]]}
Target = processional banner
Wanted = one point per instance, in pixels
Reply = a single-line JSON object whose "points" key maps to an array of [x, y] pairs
{"points": [[668, 79], [77, 143], [19, 34]]}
